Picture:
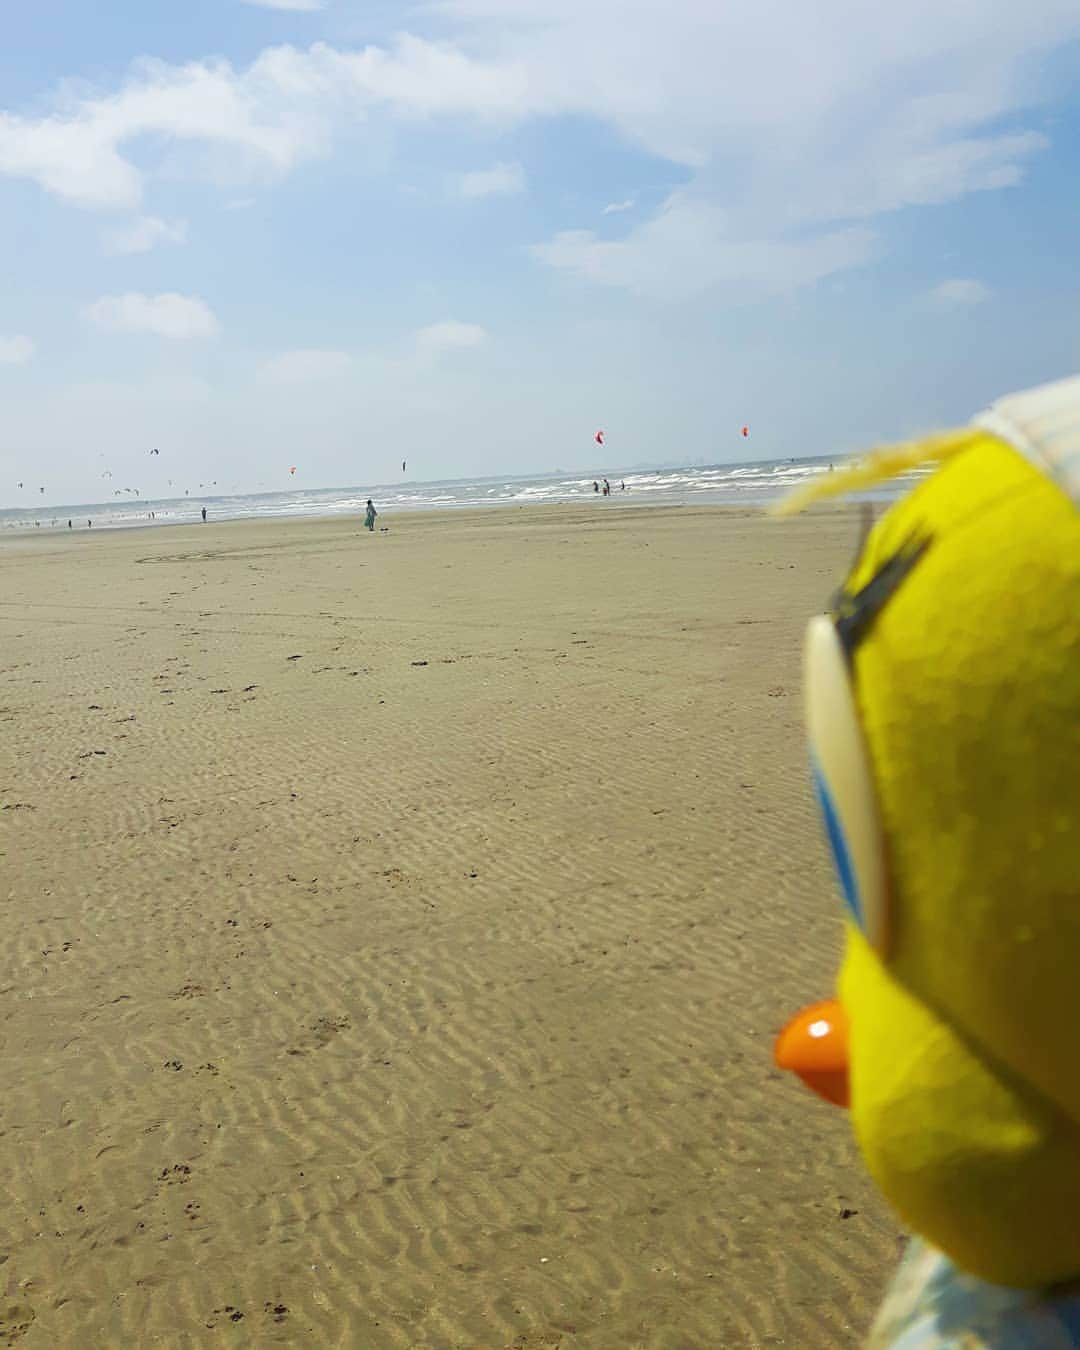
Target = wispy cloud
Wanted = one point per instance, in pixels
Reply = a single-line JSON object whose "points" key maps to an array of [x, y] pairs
{"points": [[501, 180], [840, 132], [293, 6], [688, 248], [16, 350], [284, 108], [613, 208], [168, 315], [450, 335], [305, 365], [961, 291], [143, 234]]}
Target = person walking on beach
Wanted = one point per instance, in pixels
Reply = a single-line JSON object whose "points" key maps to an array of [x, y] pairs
{"points": [[370, 514], [204, 515]]}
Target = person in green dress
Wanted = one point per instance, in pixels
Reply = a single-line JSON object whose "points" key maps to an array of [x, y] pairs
{"points": [[370, 514]]}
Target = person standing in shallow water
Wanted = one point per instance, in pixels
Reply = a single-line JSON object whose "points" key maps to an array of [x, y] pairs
{"points": [[204, 515], [370, 514]]}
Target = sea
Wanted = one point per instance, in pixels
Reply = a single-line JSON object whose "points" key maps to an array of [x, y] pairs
{"points": [[748, 484]]}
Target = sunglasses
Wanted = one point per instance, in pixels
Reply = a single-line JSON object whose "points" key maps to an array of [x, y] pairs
{"points": [[839, 759]]}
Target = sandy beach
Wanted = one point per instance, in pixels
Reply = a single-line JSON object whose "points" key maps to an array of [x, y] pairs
{"points": [[397, 926]]}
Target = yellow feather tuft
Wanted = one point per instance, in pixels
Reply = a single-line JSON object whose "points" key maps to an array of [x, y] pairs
{"points": [[878, 466]]}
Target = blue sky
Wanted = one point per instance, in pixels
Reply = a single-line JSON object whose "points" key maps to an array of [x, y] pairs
{"points": [[341, 234]]}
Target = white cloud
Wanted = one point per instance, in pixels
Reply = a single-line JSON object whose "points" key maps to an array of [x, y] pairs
{"points": [[142, 234], [802, 144], [786, 159], [304, 365], [961, 291], [450, 335], [501, 180], [614, 208], [293, 6], [690, 247], [169, 315], [283, 108], [16, 350]]}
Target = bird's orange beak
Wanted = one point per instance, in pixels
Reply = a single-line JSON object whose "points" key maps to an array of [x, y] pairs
{"points": [[814, 1044]]}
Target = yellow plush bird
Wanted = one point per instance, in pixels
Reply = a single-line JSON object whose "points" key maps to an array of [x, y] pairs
{"points": [[943, 712]]}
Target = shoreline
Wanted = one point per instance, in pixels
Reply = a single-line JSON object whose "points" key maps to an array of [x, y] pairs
{"points": [[747, 485], [748, 510]]}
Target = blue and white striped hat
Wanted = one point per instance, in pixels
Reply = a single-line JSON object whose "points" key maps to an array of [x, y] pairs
{"points": [[1044, 425]]}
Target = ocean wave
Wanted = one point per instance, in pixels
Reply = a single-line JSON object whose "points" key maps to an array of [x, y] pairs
{"points": [[735, 484]]}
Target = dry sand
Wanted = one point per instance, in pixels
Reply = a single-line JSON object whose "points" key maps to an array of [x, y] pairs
{"points": [[395, 930]]}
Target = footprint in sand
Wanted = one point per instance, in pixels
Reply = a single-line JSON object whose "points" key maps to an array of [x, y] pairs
{"points": [[176, 1175], [233, 1314], [326, 1028], [189, 990], [15, 1320], [323, 1032]]}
